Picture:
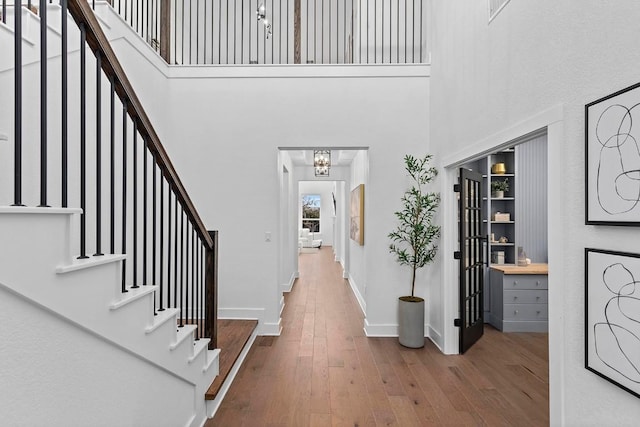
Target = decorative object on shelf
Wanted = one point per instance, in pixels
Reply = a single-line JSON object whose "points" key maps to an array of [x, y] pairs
{"points": [[322, 162], [501, 217], [522, 257], [498, 188], [613, 154], [497, 257], [493, 238], [261, 12], [414, 244], [356, 227], [498, 169], [503, 240], [612, 315]]}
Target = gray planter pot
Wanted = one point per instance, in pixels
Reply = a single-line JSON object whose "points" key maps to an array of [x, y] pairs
{"points": [[411, 325]]}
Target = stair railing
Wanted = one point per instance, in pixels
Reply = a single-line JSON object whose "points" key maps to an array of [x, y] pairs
{"points": [[130, 194], [188, 32]]}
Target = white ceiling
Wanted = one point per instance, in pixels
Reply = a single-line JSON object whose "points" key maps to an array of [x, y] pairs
{"points": [[338, 157]]}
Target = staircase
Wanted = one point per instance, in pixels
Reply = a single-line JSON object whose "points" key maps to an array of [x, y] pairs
{"points": [[104, 262]]}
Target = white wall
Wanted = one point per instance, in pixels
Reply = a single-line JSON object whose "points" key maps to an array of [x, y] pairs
{"points": [[489, 78], [222, 127], [324, 189]]}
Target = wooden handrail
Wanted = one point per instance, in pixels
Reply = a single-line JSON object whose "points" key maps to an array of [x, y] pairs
{"points": [[82, 13]]}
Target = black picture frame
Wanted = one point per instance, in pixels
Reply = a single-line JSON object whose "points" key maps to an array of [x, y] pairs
{"points": [[612, 159], [612, 317]]}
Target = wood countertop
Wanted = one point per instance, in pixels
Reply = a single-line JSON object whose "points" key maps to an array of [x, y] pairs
{"points": [[528, 269]]}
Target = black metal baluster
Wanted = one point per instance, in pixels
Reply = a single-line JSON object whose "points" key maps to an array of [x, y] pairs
{"points": [[161, 256], [83, 142], [169, 246], [193, 278], [360, 28], [145, 196], [182, 40], [4, 11], [322, 32], [197, 32], [124, 194], [382, 30], [112, 167], [175, 256], [212, 33], [185, 255], [375, 31], [43, 103], [137, 15], [420, 32], [202, 289], [182, 269], [64, 108], [17, 69], [98, 155], [154, 232], [134, 240]]}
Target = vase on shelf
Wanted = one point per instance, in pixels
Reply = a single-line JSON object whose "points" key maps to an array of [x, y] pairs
{"points": [[497, 194]]}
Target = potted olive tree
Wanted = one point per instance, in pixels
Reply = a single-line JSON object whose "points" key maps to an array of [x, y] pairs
{"points": [[414, 244]]}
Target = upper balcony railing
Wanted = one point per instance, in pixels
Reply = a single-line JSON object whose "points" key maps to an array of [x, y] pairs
{"points": [[188, 32]]}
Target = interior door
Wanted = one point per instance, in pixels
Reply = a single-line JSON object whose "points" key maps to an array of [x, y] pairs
{"points": [[471, 303]]}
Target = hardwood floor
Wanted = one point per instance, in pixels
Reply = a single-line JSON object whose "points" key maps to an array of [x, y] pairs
{"points": [[232, 337], [324, 371]]}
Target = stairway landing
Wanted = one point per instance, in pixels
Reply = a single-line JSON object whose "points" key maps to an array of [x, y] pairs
{"points": [[233, 335]]}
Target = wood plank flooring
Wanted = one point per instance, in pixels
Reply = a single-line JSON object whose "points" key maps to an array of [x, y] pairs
{"points": [[323, 370], [232, 337]]}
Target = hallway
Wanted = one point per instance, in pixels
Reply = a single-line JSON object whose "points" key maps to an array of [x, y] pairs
{"points": [[323, 371]]}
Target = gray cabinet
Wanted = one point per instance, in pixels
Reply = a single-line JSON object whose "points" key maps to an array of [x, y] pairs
{"points": [[518, 301]]}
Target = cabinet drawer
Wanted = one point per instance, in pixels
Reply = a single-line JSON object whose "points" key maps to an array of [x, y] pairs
{"points": [[521, 281], [525, 312], [525, 296]]}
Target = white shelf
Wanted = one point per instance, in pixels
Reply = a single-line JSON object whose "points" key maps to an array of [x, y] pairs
{"points": [[493, 199], [503, 222]]}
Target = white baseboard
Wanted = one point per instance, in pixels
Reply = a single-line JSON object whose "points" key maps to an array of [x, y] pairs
{"points": [[435, 337], [287, 287], [270, 329], [264, 328], [391, 330], [359, 297], [381, 330]]}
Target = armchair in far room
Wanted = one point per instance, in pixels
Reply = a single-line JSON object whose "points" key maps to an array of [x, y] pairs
{"points": [[307, 239]]}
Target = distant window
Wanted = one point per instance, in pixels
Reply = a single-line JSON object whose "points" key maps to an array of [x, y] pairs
{"points": [[495, 6], [311, 212]]}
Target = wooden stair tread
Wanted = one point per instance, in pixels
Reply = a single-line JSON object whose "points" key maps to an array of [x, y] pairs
{"points": [[232, 337]]}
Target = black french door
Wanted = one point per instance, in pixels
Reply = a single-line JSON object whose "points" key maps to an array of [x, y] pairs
{"points": [[471, 255]]}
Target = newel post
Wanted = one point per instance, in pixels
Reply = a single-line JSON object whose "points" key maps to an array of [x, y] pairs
{"points": [[211, 292]]}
